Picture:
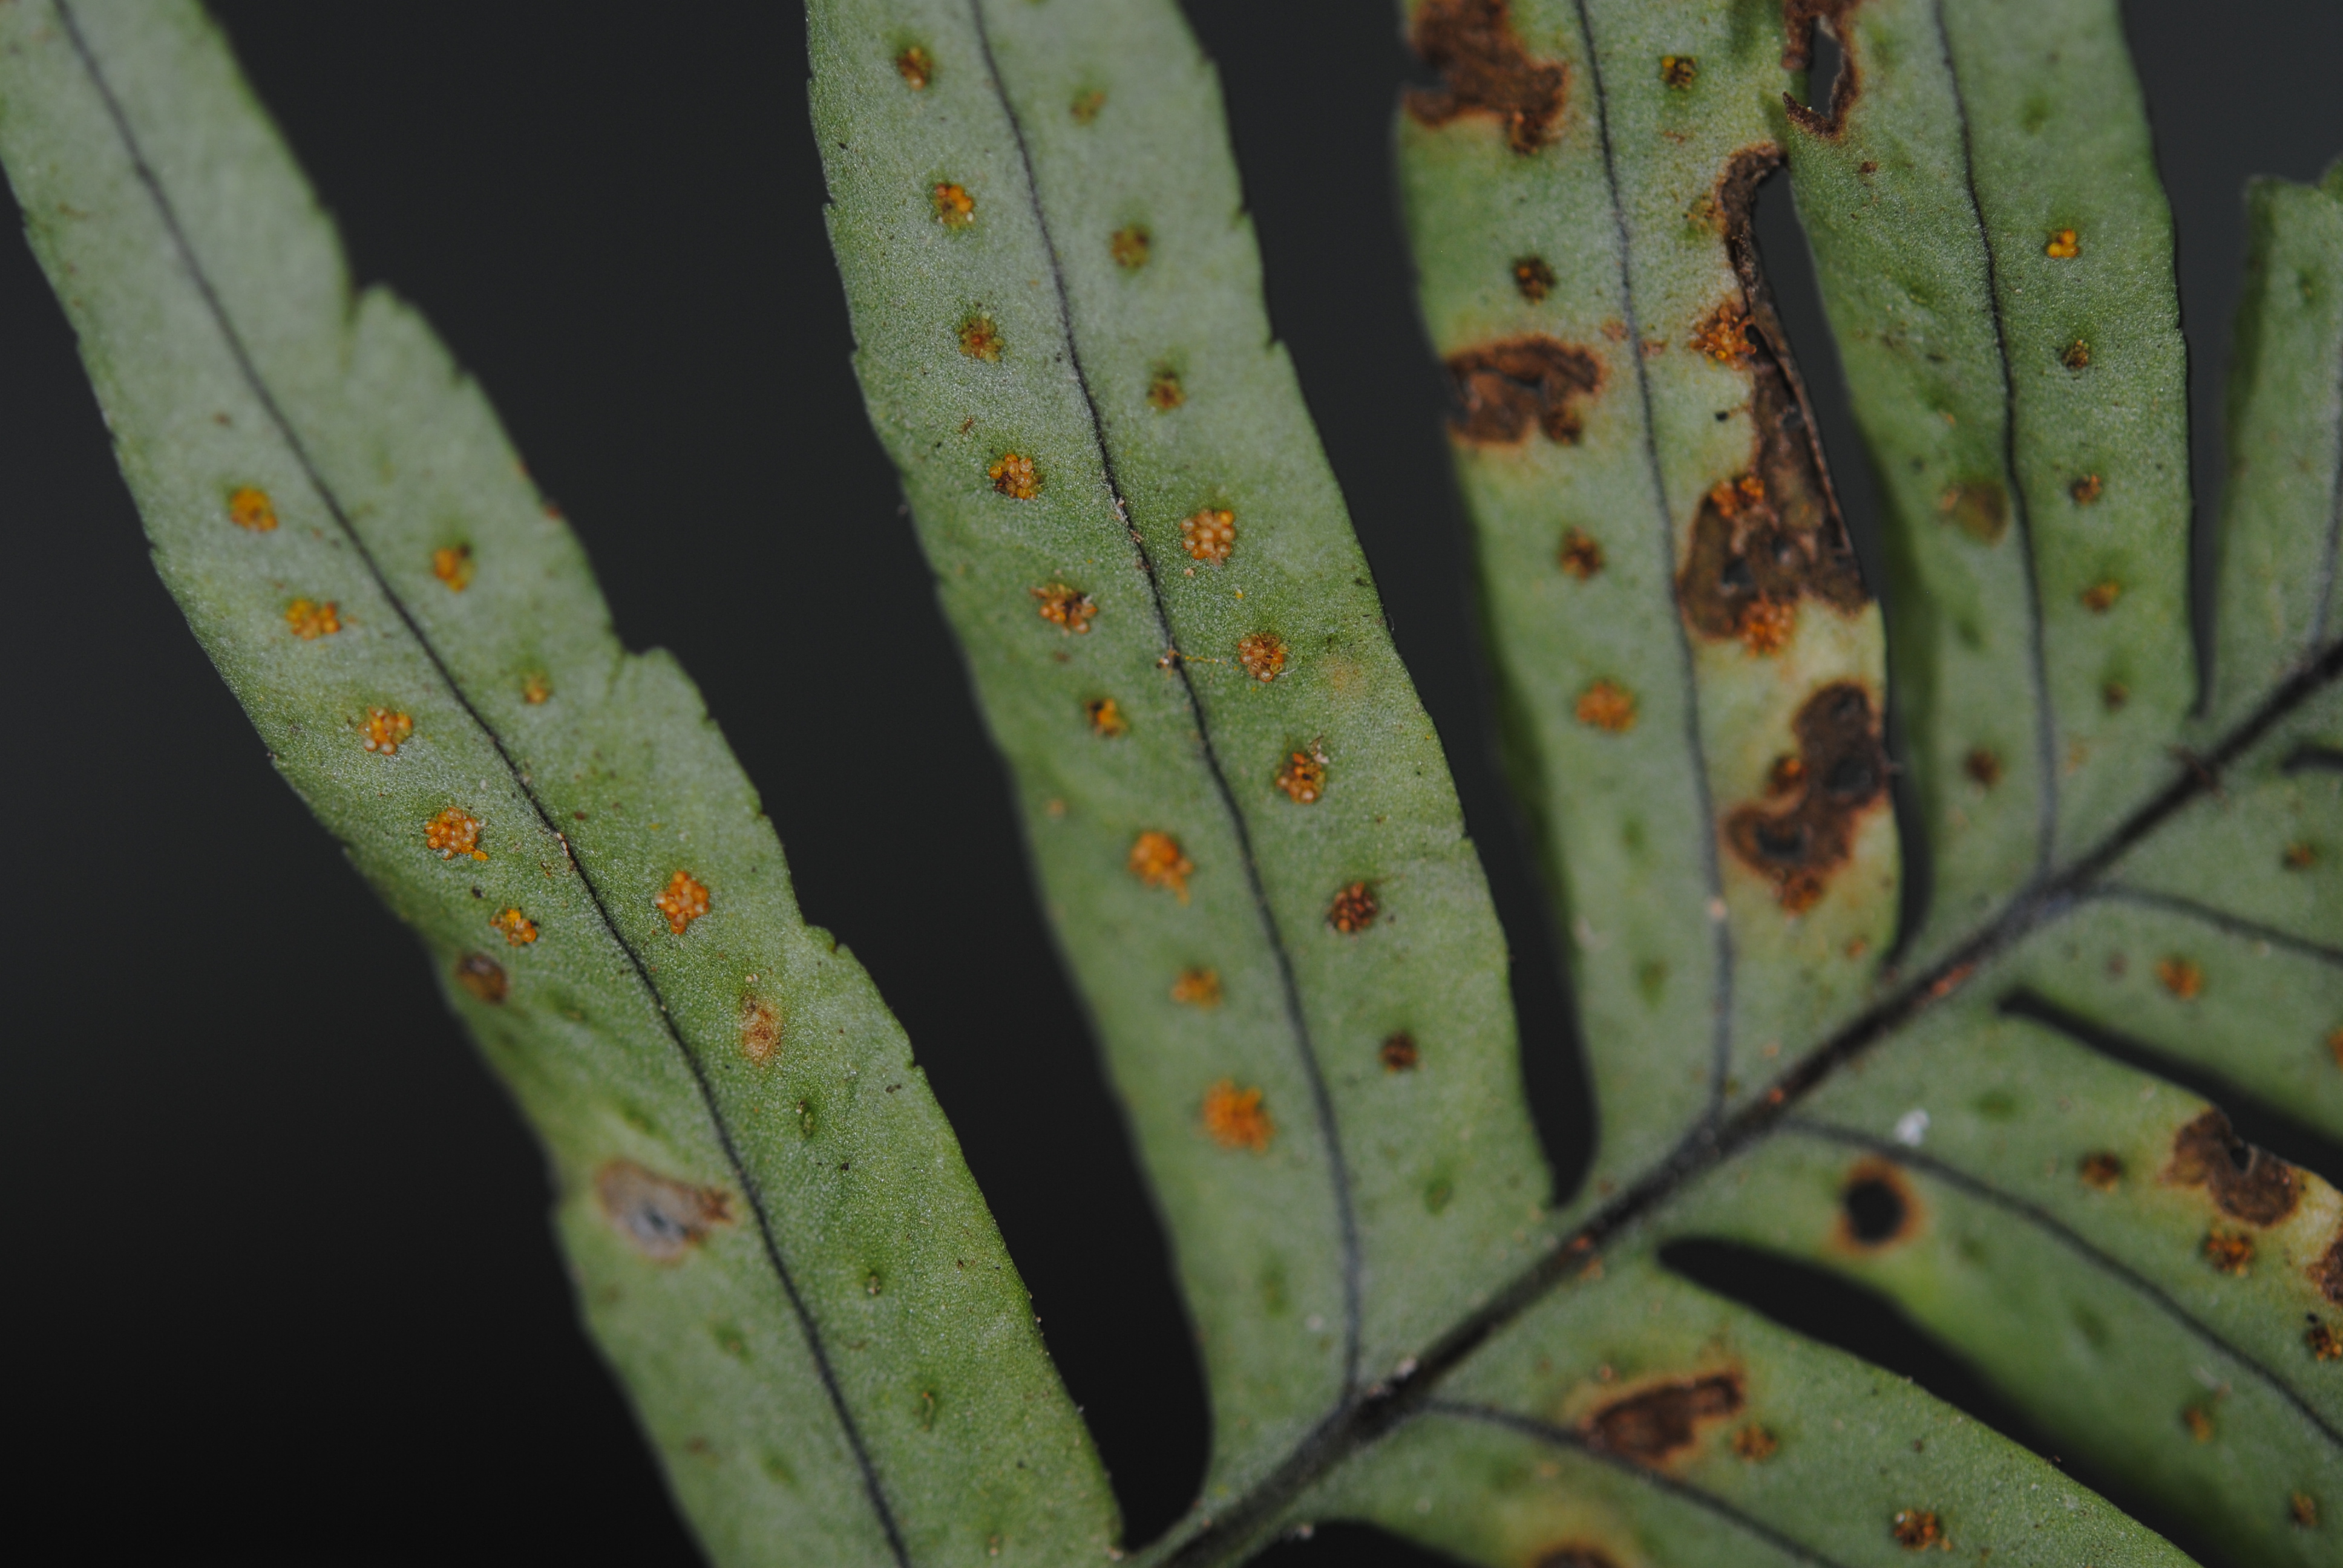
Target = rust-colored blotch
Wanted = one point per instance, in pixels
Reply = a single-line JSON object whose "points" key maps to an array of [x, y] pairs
{"points": [[1263, 654], [1164, 392], [2100, 596], [916, 67], [1157, 860], [386, 730], [980, 340], [1130, 246], [1580, 556], [454, 833], [1398, 1053], [2101, 1171], [1485, 70], [1197, 988], [518, 928], [1653, 1424], [760, 1030], [482, 976], [2323, 1343], [452, 564], [2231, 1251], [1679, 71], [1086, 107], [313, 619], [1916, 1528], [1755, 1445], [1209, 535], [1106, 718], [684, 901], [1608, 706], [2181, 977], [2076, 356], [535, 689], [2299, 856], [2087, 489], [249, 509], [1532, 279], [1302, 776], [1236, 1118], [2063, 245], [1014, 474], [1069, 609], [1354, 909], [2303, 1509], [1983, 764], [662, 1218], [955, 208], [2199, 1422]]}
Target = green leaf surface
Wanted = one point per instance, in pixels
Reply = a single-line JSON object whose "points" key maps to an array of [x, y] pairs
{"points": [[774, 1238]]}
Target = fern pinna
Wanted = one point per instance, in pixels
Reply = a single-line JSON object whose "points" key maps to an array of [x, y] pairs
{"points": [[1893, 934]]}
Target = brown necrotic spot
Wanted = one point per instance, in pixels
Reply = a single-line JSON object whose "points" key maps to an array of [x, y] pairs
{"points": [[1507, 389], [1484, 70], [482, 976], [760, 1030], [1916, 1528], [662, 1219], [1843, 773], [1533, 277], [1131, 246], [1580, 556], [1984, 765], [1398, 1053], [1978, 507], [2101, 1171], [1164, 392], [915, 66], [979, 338], [2244, 1183], [1654, 1424], [1354, 909], [1877, 1207], [2327, 1271], [1799, 19]]}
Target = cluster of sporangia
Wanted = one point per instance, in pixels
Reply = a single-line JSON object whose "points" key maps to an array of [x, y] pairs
{"points": [[454, 834], [1233, 1117]]}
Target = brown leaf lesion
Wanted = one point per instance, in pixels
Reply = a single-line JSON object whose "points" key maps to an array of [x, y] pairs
{"points": [[2244, 1183], [1484, 70], [1655, 1424], [660, 1217], [1799, 20], [1799, 840], [1507, 388]]}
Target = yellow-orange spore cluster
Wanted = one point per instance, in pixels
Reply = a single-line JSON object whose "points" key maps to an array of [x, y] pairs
{"points": [[1766, 625], [1014, 474], [1157, 860], [1398, 1053], [1263, 654], [1105, 715], [1197, 988], [1532, 279], [2198, 1422], [535, 689], [1130, 246], [518, 929], [249, 509], [1164, 392], [1236, 1118], [2323, 1343], [2100, 1172], [1916, 1528], [1723, 334], [916, 67], [1068, 608], [2181, 977], [2075, 356], [454, 833], [1354, 909], [313, 619], [2100, 596], [1754, 1443], [385, 731], [1580, 556], [1608, 706], [979, 338], [2064, 245], [955, 208], [2231, 1251], [1679, 71], [1733, 496], [1302, 776], [452, 564], [1209, 535], [684, 901], [1086, 107]]}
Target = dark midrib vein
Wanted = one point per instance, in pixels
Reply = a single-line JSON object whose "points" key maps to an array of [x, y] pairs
{"points": [[250, 374], [1659, 1480], [2073, 1241], [1321, 1099], [1708, 1146], [2219, 920], [2046, 722], [1720, 1064]]}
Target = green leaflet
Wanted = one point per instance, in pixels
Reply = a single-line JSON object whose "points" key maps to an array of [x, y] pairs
{"points": [[721, 1097], [1047, 265]]}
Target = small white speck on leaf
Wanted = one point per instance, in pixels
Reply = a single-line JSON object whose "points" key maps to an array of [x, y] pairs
{"points": [[1911, 1127]]}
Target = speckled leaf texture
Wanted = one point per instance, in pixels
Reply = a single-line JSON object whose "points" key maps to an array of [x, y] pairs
{"points": [[1932, 1005]]}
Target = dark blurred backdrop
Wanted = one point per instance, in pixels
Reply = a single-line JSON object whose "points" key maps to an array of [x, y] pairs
{"points": [[282, 1288]]}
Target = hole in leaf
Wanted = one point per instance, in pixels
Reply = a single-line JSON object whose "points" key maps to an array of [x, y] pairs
{"points": [[1874, 1209]]}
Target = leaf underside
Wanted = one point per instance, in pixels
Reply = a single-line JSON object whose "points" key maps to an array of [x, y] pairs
{"points": [[1243, 823]]}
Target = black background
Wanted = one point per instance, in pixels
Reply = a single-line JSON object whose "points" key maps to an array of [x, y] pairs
{"points": [[280, 1283]]}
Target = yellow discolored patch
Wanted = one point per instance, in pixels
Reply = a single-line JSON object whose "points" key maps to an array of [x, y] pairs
{"points": [[916, 67], [452, 564], [2087, 489], [2181, 977], [1164, 392], [385, 731], [1157, 860], [1197, 988], [1755, 1445], [955, 208], [1014, 474], [1130, 246], [1086, 107], [249, 509], [980, 340], [1608, 706], [1069, 609], [518, 928], [1106, 718], [1354, 909], [1263, 654], [1302, 776], [1580, 556], [1916, 1528], [1209, 535], [2231, 1251], [1532, 279], [2100, 1172], [684, 901], [1236, 1118], [311, 618], [760, 1030], [2063, 245], [454, 833], [1679, 71], [535, 689], [2100, 596]]}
